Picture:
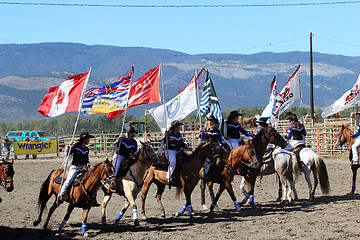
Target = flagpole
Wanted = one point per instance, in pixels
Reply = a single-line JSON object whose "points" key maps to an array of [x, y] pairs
{"points": [[198, 97], [301, 102], [75, 126], [165, 115], [127, 102]]}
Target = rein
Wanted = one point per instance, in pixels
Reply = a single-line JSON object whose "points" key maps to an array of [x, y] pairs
{"points": [[5, 181]]}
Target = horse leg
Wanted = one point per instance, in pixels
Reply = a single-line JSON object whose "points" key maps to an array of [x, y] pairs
{"points": [[218, 194], [188, 188], [146, 186], [308, 180], [122, 212], [159, 193], [211, 191], [83, 226], [67, 216], [315, 182], [131, 199], [51, 211], [280, 192], [284, 188], [104, 203], [246, 194], [232, 195], [353, 187], [42, 207], [202, 189]]}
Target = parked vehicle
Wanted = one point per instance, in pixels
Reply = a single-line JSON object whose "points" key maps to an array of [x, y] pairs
{"points": [[19, 136]]}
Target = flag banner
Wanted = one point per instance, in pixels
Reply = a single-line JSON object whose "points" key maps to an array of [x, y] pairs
{"points": [[145, 90], [35, 147], [108, 98], [271, 105], [347, 100], [287, 96], [64, 98], [209, 103], [177, 108]]}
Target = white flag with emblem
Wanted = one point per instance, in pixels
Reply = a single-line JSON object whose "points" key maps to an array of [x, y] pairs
{"points": [[177, 108], [347, 100]]}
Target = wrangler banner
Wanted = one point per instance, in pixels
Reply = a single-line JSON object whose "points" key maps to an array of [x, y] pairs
{"points": [[35, 147]]}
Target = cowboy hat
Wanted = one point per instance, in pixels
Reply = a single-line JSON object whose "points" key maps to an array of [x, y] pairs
{"points": [[131, 130], [262, 120], [293, 118], [212, 118], [175, 123], [84, 135], [233, 114]]}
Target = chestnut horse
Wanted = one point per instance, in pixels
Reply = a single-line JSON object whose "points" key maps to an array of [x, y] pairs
{"points": [[80, 196], [189, 175], [130, 185], [344, 136], [6, 175], [236, 160]]}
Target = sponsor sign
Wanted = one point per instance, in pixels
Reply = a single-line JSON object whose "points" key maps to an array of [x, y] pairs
{"points": [[35, 147]]}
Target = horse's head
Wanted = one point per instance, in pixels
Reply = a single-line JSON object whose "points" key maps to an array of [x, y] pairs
{"points": [[341, 136], [108, 178], [246, 155], [6, 174], [214, 151], [272, 136], [147, 154]]}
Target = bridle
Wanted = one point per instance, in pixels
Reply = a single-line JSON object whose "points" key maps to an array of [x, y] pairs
{"points": [[142, 154], [340, 136], [109, 177], [5, 181], [253, 162]]}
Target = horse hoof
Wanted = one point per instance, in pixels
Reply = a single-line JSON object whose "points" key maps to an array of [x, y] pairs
{"points": [[278, 199], [351, 194], [103, 221], [116, 222], [163, 215], [57, 234], [205, 207], [177, 214], [144, 218], [85, 234], [136, 223], [35, 223]]}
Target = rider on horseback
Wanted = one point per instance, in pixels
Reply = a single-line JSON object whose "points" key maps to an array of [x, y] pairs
{"points": [[80, 153], [175, 143], [126, 149], [211, 132], [233, 130], [296, 133], [355, 156]]}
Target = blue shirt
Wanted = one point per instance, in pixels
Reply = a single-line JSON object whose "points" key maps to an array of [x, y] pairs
{"points": [[175, 141], [127, 147], [355, 135], [205, 135], [296, 133], [234, 129]]}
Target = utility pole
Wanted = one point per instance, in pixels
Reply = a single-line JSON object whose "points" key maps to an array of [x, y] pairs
{"points": [[311, 81]]}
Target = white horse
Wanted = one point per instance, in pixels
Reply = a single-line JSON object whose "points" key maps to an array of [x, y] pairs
{"points": [[312, 162], [285, 165]]}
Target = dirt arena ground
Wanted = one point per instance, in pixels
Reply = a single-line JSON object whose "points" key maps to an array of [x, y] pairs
{"points": [[335, 216]]}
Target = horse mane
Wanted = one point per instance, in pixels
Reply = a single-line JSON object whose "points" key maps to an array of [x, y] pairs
{"points": [[194, 153], [259, 134], [88, 172]]}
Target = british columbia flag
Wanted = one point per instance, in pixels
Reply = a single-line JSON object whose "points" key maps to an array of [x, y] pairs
{"points": [[108, 98]]}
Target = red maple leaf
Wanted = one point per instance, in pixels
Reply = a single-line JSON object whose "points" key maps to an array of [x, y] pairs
{"points": [[60, 98]]}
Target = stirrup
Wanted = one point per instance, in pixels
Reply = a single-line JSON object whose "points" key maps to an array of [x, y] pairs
{"points": [[355, 162]]}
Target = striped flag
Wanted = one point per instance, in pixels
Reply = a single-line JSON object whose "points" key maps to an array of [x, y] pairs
{"points": [[108, 98], [209, 103]]}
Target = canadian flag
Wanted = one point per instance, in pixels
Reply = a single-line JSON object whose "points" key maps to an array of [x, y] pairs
{"points": [[64, 98], [145, 90]]}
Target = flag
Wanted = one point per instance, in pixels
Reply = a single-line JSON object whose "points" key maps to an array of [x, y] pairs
{"points": [[108, 98], [145, 90], [177, 108], [287, 96], [209, 103], [64, 98], [271, 105], [347, 100]]}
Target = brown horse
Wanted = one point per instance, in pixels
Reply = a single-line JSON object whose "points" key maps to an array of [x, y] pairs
{"points": [[335, 115], [345, 136], [248, 122], [82, 196], [130, 185], [249, 165], [6, 175], [188, 176]]}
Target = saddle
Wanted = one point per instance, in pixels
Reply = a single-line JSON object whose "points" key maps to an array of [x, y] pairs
{"points": [[79, 176], [163, 162], [268, 156], [298, 149]]}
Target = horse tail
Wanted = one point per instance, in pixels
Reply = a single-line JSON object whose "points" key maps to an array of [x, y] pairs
{"points": [[322, 173], [44, 191], [295, 166], [177, 194]]}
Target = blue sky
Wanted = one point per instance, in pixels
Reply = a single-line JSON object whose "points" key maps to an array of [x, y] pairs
{"points": [[242, 30]]}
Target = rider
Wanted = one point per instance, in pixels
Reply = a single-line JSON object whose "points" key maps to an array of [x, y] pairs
{"points": [[212, 132], [234, 129], [80, 154], [175, 143], [127, 148], [356, 144], [296, 133]]}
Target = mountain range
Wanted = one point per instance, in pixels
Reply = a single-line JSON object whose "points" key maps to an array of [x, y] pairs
{"points": [[28, 70]]}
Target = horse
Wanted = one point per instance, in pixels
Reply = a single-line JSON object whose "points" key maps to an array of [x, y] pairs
{"points": [[82, 196], [187, 177], [6, 175], [285, 165], [249, 167], [248, 122], [345, 136], [130, 185], [335, 115]]}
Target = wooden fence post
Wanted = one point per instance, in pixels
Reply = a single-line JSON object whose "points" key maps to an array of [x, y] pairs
{"points": [[318, 140], [105, 144]]}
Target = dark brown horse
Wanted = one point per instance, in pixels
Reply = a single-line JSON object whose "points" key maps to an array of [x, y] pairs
{"points": [[82, 196], [6, 175], [249, 166], [130, 185], [188, 176], [345, 136], [249, 122]]}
